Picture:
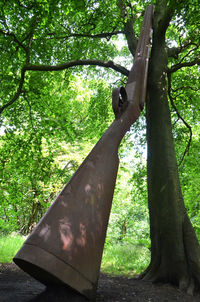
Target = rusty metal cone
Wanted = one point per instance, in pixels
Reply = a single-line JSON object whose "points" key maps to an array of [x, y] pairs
{"points": [[67, 244]]}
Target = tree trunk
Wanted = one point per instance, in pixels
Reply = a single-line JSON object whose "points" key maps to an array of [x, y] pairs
{"points": [[175, 251]]}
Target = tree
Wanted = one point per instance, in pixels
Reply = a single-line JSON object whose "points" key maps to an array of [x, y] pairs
{"points": [[175, 248], [42, 36]]}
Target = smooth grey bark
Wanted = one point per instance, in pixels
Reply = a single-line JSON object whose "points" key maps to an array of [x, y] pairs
{"points": [[175, 251]]}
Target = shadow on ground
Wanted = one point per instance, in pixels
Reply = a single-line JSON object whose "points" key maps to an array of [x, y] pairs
{"points": [[17, 286], [58, 293]]}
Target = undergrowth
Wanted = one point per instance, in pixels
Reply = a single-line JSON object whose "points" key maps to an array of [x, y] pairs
{"points": [[9, 245], [125, 259], [118, 258]]}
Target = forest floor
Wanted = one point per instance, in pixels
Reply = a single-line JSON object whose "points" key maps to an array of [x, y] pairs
{"points": [[17, 286]]}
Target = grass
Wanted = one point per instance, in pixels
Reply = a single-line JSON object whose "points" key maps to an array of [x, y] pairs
{"points": [[125, 259], [118, 259], [9, 245]]}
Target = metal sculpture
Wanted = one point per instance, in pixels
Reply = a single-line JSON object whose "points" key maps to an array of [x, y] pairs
{"points": [[67, 244]]}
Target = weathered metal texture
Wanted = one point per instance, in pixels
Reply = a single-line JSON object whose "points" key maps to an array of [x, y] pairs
{"points": [[135, 89], [67, 244]]}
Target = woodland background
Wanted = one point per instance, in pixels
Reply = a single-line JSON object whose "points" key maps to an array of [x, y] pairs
{"points": [[60, 115]]}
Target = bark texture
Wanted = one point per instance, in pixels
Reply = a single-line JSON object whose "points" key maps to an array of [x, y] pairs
{"points": [[175, 251]]}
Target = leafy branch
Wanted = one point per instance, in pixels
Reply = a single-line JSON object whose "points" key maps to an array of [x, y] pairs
{"points": [[106, 35], [28, 37], [181, 118], [175, 51], [18, 92], [15, 39], [27, 52], [185, 87], [128, 26], [178, 66], [106, 64]]}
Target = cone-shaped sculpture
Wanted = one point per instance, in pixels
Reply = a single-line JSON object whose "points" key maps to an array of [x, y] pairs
{"points": [[67, 244]]}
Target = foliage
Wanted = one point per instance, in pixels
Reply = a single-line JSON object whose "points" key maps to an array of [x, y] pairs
{"points": [[185, 97], [129, 216], [190, 179], [51, 119], [125, 259], [9, 245], [40, 155]]}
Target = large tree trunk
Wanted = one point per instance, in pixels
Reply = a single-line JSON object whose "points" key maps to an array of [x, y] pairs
{"points": [[175, 251]]}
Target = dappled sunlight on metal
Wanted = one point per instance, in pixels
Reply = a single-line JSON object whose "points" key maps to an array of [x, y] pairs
{"points": [[67, 244]]}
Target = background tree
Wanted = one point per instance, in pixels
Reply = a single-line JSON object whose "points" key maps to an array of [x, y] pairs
{"points": [[41, 107]]}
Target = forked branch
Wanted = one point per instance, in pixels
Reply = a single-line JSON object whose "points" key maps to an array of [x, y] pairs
{"points": [[180, 65], [173, 52]]}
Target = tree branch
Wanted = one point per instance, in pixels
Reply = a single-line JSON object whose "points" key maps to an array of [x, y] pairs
{"points": [[162, 17], [185, 87], [29, 37], [188, 53], [92, 36], [128, 26], [130, 36], [18, 92], [167, 17], [178, 66], [182, 119], [173, 52], [108, 64], [16, 40]]}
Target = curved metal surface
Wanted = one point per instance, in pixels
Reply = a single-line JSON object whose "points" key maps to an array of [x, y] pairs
{"points": [[67, 244]]}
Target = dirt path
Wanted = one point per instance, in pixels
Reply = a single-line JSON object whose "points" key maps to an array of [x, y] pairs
{"points": [[16, 286]]}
